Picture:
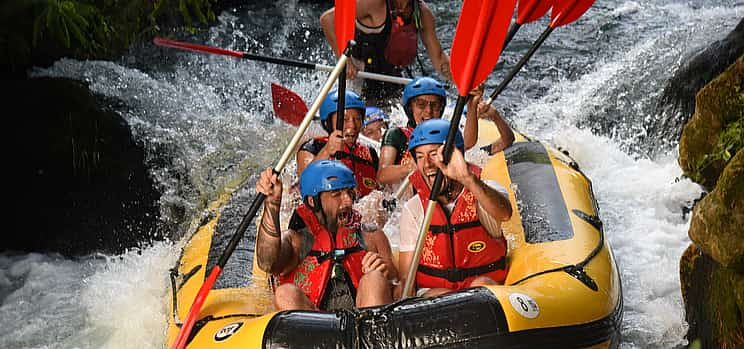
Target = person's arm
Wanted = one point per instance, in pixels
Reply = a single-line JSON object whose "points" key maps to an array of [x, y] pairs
{"points": [[506, 135], [492, 201], [439, 58], [470, 134], [308, 152], [377, 243], [329, 28], [390, 173], [276, 253]]}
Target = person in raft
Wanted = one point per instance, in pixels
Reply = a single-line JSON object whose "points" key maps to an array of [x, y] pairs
{"points": [[464, 246], [323, 261], [386, 37], [375, 123], [342, 144], [424, 98]]}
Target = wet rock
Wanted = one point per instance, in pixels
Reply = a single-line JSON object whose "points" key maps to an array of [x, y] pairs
{"points": [[714, 301], [717, 220], [677, 103], [719, 107], [78, 182]]}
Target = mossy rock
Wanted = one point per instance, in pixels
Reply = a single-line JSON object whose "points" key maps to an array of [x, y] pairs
{"points": [[716, 130], [713, 301], [718, 218]]}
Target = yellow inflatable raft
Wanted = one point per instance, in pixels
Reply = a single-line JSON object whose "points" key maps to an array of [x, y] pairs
{"points": [[563, 289]]}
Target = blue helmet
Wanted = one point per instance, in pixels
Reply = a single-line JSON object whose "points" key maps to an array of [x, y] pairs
{"points": [[434, 131], [330, 104], [373, 114], [325, 175], [422, 85]]}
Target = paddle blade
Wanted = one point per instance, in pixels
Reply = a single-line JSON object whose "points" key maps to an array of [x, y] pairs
{"points": [[532, 10], [478, 41], [344, 18], [288, 106], [567, 11]]}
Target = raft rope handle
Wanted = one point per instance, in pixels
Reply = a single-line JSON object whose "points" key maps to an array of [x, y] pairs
{"points": [[185, 277], [577, 270]]}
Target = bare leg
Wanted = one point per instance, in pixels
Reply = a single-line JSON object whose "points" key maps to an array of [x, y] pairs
{"points": [[483, 281], [436, 292], [374, 289], [291, 297]]}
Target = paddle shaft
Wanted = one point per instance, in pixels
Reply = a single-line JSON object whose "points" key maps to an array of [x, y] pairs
{"points": [[281, 61], [201, 296], [519, 65], [436, 186]]}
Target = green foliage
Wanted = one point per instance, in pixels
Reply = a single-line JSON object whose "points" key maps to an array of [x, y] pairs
{"points": [[71, 23], [33, 30], [730, 140]]}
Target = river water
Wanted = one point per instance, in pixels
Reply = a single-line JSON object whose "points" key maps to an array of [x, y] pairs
{"points": [[206, 123]]}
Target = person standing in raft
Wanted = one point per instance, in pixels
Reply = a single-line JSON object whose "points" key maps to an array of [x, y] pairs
{"points": [[464, 246], [342, 144], [323, 261], [386, 38]]}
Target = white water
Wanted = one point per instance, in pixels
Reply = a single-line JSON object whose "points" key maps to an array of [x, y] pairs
{"points": [[212, 124]]}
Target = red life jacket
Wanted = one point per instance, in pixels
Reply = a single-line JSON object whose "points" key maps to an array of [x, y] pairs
{"points": [[360, 162], [402, 42], [406, 156], [458, 249], [313, 273]]}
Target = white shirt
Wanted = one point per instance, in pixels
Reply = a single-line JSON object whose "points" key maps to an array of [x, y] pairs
{"points": [[412, 214]]}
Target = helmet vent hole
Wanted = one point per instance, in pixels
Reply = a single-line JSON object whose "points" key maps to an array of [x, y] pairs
{"points": [[332, 178], [435, 132]]}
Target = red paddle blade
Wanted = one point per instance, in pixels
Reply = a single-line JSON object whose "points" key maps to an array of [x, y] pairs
{"points": [[344, 18], [195, 47], [288, 106], [567, 11], [478, 41], [532, 10]]}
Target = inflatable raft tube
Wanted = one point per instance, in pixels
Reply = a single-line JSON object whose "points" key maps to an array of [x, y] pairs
{"points": [[562, 291]]}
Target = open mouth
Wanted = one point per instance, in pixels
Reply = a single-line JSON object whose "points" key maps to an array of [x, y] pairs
{"points": [[344, 216]]}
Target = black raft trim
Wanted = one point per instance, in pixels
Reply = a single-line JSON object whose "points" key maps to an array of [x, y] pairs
{"points": [[468, 318]]}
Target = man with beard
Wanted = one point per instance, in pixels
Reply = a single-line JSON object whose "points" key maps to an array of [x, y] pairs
{"points": [[323, 261], [464, 246], [342, 144]]}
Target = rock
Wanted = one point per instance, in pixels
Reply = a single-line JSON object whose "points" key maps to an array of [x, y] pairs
{"points": [[719, 105], [677, 103], [714, 301], [717, 220], [78, 181]]}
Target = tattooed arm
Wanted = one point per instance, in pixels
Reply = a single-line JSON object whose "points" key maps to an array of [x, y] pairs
{"points": [[276, 253]]}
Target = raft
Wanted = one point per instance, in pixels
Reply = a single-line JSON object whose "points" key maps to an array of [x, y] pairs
{"points": [[562, 291]]}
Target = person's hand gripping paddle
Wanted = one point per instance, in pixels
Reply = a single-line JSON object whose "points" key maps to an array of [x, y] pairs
{"points": [[476, 48], [201, 296], [564, 12]]}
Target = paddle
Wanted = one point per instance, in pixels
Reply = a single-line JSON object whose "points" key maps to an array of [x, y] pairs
{"points": [[291, 108], [527, 11], [201, 296], [564, 12], [479, 39], [288, 62]]}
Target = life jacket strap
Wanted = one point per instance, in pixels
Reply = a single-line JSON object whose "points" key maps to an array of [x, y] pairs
{"points": [[460, 274], [337, 255], [453, 228], [342, 154]]}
